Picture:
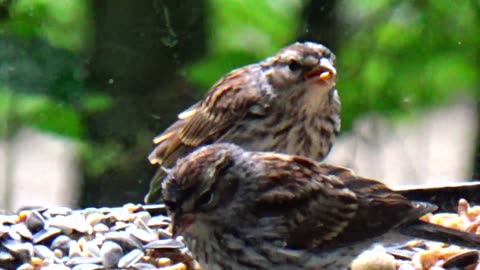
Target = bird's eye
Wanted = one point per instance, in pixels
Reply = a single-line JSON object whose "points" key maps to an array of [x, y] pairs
{"points": [[294, 65], [206, 199]]}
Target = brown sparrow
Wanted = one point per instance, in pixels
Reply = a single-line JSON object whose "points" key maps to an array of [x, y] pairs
{"points": [[286, 103], [257, 210]]}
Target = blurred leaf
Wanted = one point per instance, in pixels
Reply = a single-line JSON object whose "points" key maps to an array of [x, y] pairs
{"points": [[96, 102], [406, 55], [257, 27], [65, 24], [242, 32], [211, 69], [34, 66], [40, 112], [49, 85]]}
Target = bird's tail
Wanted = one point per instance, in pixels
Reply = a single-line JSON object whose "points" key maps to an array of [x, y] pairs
{"points": [[433, 232], [445, 197], [155, 192]]}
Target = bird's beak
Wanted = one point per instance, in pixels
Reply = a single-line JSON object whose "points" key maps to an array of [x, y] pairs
{"points": [[325, 71], [181, 223]]}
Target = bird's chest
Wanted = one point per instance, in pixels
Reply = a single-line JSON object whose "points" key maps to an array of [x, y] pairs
{"points": [[216, 253], [301, 132], [222, 250], [296, 128]]}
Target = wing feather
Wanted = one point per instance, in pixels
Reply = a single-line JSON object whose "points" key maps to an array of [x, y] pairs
{"points": [[227, 102], [328, 204]]}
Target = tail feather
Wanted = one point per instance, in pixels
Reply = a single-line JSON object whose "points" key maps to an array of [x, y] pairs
{"points": [[433, 232], [155, 192], [445, 197]]}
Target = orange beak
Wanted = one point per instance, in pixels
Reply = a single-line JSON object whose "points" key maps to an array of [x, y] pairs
{"points": [[325, 71]]}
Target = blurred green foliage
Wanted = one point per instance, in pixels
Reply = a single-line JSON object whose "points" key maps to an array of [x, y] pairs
{"points": [[242, 32], [42, 73], [400, 56], [65, 24]]}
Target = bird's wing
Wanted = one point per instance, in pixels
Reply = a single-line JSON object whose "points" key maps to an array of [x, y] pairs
{"points": [[329, 205], [229, 100]]}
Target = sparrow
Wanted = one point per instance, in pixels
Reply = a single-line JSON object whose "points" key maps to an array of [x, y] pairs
{"points": [[287, 103], [238, 209]]}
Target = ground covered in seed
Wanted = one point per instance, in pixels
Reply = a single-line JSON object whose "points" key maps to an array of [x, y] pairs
{"points": [[128, 237], [138, 237]]}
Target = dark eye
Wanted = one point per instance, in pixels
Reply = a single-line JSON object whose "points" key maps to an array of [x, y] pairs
{"points": [[205, 199], [294, 65]]}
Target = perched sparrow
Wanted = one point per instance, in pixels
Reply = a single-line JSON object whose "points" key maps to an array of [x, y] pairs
{"points": [[258, 210], [287, 103]]}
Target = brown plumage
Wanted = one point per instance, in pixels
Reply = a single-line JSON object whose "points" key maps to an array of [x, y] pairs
{"points": [[287, 103], [256, 210]]}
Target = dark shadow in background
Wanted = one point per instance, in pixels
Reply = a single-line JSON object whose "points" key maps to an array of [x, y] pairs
{"points": [[139, 50]]}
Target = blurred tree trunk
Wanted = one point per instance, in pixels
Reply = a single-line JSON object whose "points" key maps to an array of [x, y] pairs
{"points": [[4, 9], [476, 160], [321, 23], [138, 52]]}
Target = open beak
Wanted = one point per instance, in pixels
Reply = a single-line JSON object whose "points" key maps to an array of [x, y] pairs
{"points": [[324, 72]]}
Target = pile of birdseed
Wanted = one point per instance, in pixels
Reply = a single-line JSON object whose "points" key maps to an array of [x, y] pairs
{"points": [[128, 237], [138, 237]]}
